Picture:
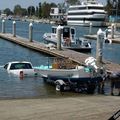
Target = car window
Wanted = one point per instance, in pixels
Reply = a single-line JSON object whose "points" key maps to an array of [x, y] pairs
{"points": [[20, 66], [6, 66]]}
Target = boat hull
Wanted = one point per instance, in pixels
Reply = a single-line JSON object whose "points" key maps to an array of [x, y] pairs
{"points": [[80, 49], [86, 84], [52, 79], [75, 48]]}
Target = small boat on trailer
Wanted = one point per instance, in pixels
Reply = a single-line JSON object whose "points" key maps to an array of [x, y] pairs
{"points": [[75, 78], [68, 38]]}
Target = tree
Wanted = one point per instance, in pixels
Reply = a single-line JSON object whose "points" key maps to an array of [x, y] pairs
{"points": [[72, 2], [17, 10], [46, 10], [31, 10], [113, 7], [8, 12], [109, 7], [40, 10], [37, 12], [24, 11]]}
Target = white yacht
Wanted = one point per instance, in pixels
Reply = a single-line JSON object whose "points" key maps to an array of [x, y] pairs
{"points": [[85, 13]]}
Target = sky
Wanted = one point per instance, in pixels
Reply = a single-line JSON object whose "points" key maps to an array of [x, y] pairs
{"points": [[25, 3]]}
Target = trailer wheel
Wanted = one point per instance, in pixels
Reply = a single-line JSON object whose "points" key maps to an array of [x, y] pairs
{"points": [[91, 89], [57, 87], [60, 85]]}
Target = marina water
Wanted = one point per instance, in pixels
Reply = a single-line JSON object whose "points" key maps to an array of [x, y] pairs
{"points": [[13, 87]]}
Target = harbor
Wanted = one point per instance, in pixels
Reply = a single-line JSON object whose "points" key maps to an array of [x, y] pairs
{"points": [[60, 60], [40, 47], [76, 57]]}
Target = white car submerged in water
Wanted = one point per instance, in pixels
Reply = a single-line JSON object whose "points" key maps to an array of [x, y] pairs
{"points": [[20, 69]]}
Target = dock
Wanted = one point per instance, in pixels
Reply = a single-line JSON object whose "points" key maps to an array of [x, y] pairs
{"points": [[65, 53], [88, 107], [116, 38]]}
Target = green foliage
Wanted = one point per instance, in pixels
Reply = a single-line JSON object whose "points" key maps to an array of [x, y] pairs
{"points": [[41, 11], [113, 7], [8, 12], [72, 2], [18, 10], [31, 10]]}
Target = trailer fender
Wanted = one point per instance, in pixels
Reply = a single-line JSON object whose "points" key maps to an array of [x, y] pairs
{"points": [[60, 85]]}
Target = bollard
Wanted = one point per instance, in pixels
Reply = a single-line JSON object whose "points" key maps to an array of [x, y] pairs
{"points": [[100, 39], [14, 29], [30, 32], [3, 26], [112, 31], [90, 29], [115, 27], [59, 37]]}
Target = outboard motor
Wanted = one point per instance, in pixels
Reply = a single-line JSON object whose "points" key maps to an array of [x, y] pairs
{"points": [[91, 62], [100, 71]]}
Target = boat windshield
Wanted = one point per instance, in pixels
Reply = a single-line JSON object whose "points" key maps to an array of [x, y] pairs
{"points": [[20, 66], [66, 32], [54, 30]]}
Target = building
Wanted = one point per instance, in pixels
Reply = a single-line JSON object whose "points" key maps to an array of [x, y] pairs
{"points": [[56, 13]]}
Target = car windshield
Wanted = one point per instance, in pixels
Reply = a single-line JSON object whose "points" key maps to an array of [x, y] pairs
{"points": [[20, 66]]}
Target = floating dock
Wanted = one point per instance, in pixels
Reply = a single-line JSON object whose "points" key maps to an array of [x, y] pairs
{"points": [[116, 38], [65, 53]]}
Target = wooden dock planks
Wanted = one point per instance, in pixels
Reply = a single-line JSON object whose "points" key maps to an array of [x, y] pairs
{"points": [[66, 53]]}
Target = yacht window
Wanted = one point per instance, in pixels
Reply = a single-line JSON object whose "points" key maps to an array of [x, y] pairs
{"points": [[77, 8], [100, 8]]}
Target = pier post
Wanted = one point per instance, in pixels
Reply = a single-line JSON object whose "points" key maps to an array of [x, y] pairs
{"points": [[100, 39], [59, 37], [90, 29], [112, 31], [30, 32], [115, 27], [14, 29], [3, 26]]}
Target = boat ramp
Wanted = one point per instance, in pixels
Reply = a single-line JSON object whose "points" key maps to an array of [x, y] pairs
{"points": [[88, 107], [76, 57]]}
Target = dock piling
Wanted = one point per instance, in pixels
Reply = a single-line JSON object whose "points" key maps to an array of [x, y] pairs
{"points": [[3, 26], [112, 31], [100, 39], [90, 29], [59, 37], [30, 32], [14, 29]]}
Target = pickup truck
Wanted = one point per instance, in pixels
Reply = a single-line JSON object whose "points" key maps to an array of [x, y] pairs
{"points": [[20, 68]]}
